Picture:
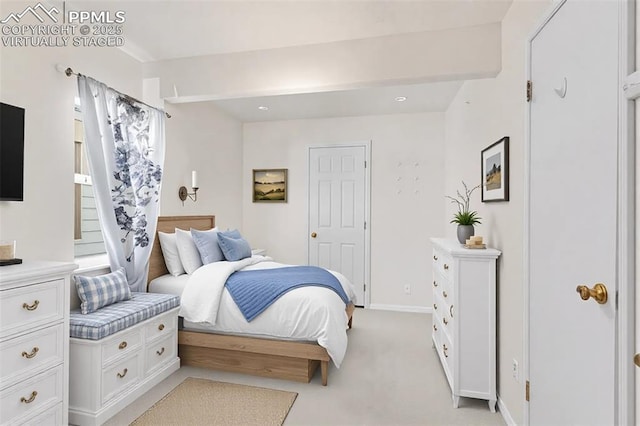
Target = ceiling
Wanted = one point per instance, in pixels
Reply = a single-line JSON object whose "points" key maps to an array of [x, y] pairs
{"points": [[159, 30]]}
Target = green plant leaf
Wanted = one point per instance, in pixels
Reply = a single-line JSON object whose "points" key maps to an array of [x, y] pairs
{"points": [[466, 218]]}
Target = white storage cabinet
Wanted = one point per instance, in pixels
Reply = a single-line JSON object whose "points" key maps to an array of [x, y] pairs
{"points": [[110, 373], [34, 343], [464, 318]]}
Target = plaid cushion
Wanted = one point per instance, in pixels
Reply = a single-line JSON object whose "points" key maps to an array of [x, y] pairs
{"points": [[113, 318], [102, 290]]}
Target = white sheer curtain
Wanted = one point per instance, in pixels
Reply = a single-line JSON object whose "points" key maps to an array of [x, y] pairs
{"points": [[125, 148]]}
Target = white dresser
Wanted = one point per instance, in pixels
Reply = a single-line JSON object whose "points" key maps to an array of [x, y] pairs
{"points": [[464, 318], [34, 343]]}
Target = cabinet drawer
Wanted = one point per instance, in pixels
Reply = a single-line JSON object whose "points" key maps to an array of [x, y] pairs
{"points": [[31, 353], [445, 350], [26, 307], [23, 400], [159, 352], [51, 417], [121, 344], [161, 326], [120, 376], [442, 263]]}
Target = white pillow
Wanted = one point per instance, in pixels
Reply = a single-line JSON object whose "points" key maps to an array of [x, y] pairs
{"points": [[189, 254], [170, 252]]}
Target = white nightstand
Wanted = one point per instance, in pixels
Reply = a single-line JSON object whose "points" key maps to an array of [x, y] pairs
{"points": [[260, 251]]}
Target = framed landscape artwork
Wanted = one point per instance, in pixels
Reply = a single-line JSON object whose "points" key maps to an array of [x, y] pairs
{"points": [[270, 186], [495, 171]]}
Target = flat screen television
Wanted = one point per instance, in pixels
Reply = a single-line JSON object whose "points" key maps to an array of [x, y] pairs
{"points": [[11, 152]]}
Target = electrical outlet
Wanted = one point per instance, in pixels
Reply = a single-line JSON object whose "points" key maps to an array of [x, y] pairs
{"points": [[515, 371], [407, 288]]}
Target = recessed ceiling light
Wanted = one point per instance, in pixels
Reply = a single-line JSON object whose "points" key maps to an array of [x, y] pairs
{"points": [[401, 98], [263, 108]]}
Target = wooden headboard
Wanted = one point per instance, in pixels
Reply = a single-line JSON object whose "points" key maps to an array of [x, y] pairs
{"points": [[168, 224]]}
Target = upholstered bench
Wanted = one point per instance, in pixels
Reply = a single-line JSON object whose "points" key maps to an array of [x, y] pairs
{"points": [[119, 352]]}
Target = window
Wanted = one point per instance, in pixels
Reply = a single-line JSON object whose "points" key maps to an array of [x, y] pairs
{"points": [[86, 230]]}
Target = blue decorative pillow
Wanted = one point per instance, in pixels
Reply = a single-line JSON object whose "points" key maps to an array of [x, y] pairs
{"points": [[207, 244], [102, 290], [233, 246]]}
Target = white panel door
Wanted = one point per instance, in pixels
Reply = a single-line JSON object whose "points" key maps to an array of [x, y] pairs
{"points": [[573, 209], [337, 212]]}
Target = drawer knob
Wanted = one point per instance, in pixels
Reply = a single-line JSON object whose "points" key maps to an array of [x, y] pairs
{"points": [[451, 311], [160, 352], [30, 399], [444, 293], [435, 327], [435, 284], [32, 354], [31, 307], [122, 345], [124, 373], [435, 257], [445, 321], [446, 267], [161, 327], [445, 349], [435, 306]]}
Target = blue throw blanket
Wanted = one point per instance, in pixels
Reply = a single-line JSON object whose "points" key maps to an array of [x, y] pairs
{"points": [[254, 291]]}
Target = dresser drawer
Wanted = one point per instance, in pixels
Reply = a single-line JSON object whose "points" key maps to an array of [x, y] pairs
{"points": [[26, 307], [23, 400], [442, 263], [160, 352], [445, 350], [31, 353], [161, 326], [120, 344], [120, 376], [53, 416]]}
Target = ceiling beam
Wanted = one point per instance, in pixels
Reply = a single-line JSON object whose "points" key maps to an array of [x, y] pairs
{"points": [[453, 54]]}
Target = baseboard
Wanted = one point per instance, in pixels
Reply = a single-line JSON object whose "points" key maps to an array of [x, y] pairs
{"points": [[506, 415], [401, 308]]}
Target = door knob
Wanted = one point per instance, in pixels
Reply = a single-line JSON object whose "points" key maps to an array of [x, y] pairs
{"points": [[598, 292], [313, 235], [636, 359]]}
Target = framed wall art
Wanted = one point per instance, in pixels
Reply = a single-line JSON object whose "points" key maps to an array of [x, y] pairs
{"points": [[269, 185], [495, 171]]}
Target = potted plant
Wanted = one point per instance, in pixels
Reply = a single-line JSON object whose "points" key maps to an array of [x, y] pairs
{"points": [[464, 217]]}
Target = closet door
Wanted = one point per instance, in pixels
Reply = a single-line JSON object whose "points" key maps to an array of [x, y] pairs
{"points": [[573, 215]]}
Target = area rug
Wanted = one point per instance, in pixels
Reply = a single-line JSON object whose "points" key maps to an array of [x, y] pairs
{"points": [[206, 402]]}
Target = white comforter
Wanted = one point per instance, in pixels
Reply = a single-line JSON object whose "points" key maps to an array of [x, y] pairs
{"points": [[305, 313]]}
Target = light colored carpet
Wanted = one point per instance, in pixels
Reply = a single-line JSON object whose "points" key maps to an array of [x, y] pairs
{"points": [[390, 376], [206, 402]]}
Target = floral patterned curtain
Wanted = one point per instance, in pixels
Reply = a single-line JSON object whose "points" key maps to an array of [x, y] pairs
{"points": [[125, 149]]}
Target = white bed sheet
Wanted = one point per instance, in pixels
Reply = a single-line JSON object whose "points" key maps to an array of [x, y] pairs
{"points": [[305, 313]]}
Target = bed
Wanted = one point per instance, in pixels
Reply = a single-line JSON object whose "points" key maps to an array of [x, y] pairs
{"points": [[260, 355]]}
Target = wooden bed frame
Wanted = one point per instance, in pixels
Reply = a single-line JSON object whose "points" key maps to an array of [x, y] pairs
{"points": [[281, 359]]}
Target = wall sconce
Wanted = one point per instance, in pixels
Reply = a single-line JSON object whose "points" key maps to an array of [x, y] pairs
{"points": [[183, 193]]}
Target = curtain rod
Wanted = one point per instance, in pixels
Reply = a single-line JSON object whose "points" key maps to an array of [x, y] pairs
{"points": [[69, 72]]}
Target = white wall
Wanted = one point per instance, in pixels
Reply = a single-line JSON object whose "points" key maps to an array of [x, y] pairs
{"points": [[200, 137], [400, 223], [483, 112], [43, 223]]}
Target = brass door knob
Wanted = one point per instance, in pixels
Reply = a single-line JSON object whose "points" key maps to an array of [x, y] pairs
{"points": [[636, 359], [598, 292], [313, 235]]}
